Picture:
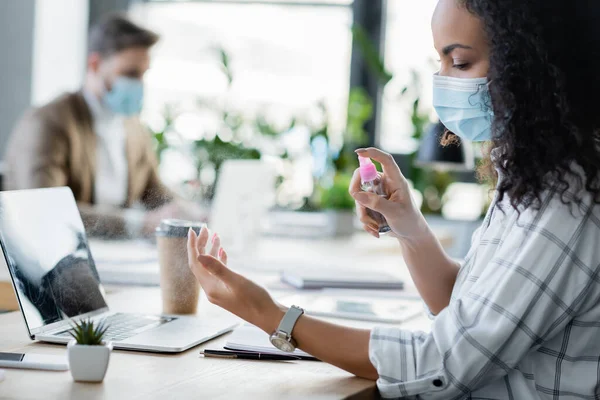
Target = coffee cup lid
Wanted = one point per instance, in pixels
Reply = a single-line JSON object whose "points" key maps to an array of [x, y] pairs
{"points": [[177, 227]]}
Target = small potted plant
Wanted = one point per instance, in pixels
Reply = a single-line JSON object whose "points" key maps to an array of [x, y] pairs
{"points": [[88, 352]]}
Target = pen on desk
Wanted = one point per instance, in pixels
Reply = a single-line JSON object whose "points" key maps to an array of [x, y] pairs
{"points": [[248, 355]]}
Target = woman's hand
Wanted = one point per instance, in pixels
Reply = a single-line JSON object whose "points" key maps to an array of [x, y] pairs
{"points": [[227, 289], [421, 250], [347, 348], [399, 209]]}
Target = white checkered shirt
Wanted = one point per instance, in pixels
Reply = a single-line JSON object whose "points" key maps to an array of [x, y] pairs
{"points": [[524, 318]]}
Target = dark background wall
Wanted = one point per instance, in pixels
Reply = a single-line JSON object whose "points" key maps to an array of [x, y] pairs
{"points": [[17, 19], [101, 7]]}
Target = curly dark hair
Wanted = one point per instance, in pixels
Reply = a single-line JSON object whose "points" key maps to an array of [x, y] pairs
{"points": [[544, 61]]}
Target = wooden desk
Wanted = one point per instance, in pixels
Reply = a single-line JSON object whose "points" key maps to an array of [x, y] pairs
{"points": [[133, 375], [8, 300]]}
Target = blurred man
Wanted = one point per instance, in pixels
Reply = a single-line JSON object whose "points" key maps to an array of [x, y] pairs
{"points": [[93, 141]]}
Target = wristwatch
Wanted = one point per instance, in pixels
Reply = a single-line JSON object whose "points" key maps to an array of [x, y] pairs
{"points": [[282, 338]]}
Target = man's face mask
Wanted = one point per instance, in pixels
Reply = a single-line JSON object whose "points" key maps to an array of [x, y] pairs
{"points": [[125, 96], [464, 106]]}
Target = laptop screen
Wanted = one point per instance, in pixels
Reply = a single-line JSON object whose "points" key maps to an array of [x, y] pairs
{"points": [[46, 250]]}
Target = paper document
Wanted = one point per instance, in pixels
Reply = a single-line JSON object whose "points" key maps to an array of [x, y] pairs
{"points": [[250, 338]]}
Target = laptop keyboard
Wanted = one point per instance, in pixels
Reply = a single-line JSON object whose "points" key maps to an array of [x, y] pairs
{"points": [[123, 326]]}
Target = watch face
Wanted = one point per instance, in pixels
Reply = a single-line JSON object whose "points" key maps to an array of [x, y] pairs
{"points": [[282, 344]]}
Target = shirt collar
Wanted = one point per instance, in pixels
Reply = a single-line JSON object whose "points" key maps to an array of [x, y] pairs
{"points": [[98, 110]]}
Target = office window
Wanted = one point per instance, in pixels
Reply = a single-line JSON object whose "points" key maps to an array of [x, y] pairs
{"points": [[285, 58], [408, 48]]}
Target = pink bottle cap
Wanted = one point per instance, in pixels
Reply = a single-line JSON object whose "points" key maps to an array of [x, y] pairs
{"points": [[367, 170]]}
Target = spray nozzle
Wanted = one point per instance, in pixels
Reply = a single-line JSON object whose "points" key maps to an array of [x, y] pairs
{"points": [[364, 161], [368, 171]]}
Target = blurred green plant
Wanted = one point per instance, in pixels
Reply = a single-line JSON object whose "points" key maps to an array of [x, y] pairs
{"points": [[241, 136], [370, 53], [360, 111], [336, 196], [237, 136], [433, 184], [332, 192], [331, 189], [215, 152], [224, 65], [160, 138]]}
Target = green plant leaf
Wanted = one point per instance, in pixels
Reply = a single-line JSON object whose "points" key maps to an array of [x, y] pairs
{"points": [[370, 52], [225, 64], [360, 111], [336, 196], [86, 332]]}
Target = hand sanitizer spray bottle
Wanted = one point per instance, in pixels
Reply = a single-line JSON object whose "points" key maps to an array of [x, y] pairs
{"points": [[371, 182]]}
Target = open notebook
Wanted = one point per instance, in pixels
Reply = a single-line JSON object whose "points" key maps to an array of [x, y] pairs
{"points": [[250, 338]]}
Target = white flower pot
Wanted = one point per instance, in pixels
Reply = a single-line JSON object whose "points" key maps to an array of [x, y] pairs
{"points": [[341, 223], [88, 363]]}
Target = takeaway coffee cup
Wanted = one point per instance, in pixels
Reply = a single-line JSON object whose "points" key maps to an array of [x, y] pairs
{"points": [[179, 287]]}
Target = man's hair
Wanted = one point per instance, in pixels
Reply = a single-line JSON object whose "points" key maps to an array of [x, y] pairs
{"points": [[115, 33]]}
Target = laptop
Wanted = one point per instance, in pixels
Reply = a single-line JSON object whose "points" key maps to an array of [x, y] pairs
{"points": [[55, 279]]}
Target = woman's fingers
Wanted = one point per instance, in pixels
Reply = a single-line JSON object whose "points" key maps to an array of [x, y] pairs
{"points": [[210, 269], [216, 246], [191, 247], [390, 168], [361, 211], [355, 183], [201, 274], [204, 277], [223, 256], [202, 240], [372, 231], [363, 215], [370, 225], [375, 202], [216, 268]]}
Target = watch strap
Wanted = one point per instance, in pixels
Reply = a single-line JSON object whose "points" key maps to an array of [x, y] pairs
{"points": [[289, 320]]}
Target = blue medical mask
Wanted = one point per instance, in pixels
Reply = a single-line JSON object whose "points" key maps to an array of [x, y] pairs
{"points": [[464, 106], [125, 97]]}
